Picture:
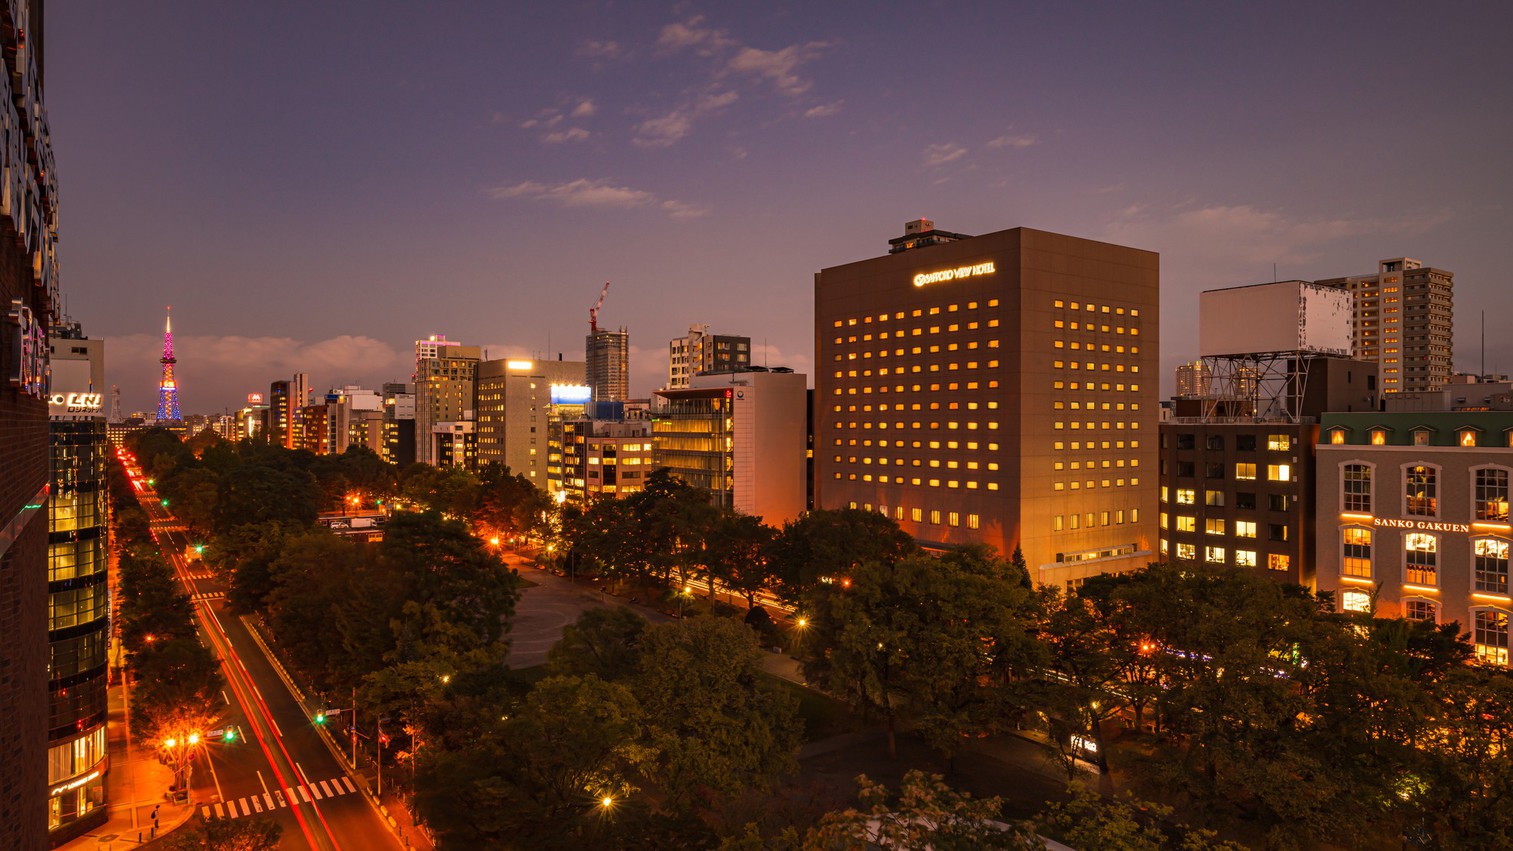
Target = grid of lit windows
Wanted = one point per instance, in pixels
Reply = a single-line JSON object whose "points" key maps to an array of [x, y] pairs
{"points": [[911, 396]]}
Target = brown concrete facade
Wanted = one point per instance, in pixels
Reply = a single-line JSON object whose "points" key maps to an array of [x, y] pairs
{"points": [[999, 389], [1413, 519]]}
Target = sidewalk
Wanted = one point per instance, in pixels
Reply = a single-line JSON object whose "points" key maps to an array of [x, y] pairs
{"points": [[135, 785]]}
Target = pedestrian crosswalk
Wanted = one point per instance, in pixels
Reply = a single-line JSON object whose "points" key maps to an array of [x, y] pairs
{"points": [[265, 802], [207, 595], [201, 575]]}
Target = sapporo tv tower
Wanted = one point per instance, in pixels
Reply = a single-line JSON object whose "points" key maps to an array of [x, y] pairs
{"points": [[168, 390]]}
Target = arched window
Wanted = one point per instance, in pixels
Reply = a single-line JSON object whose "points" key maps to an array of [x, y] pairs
{"points": [[1421, 558], [1355, 552], [1355, 600], [1420, 609], [1489, 634], [1491, 494], [1357, 487], [1421, 490], [1491, 556]]}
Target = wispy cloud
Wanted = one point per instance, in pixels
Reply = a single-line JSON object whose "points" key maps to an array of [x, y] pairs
{"points": [[765, 354], [681, 210], [824, 110], [778, 66], [939, 155], [600, 193], [692, 33], [577, 193], [571, 134], [547, 121], [664, 130], [729, 62], [1241, 235], [1023, 140], [601, 50]]}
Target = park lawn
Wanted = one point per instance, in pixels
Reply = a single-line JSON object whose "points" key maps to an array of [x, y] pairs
{"points": [[823, 715]]}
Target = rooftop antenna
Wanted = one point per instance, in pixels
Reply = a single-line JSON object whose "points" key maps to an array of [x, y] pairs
{"points": [[1483, 376]]}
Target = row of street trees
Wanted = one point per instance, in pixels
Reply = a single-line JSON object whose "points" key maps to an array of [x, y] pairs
{"points": [[1269, 713], [1266, 710], [175, 677]]}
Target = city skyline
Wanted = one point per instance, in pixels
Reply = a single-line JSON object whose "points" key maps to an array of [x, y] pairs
{"points": [[316, 198]]}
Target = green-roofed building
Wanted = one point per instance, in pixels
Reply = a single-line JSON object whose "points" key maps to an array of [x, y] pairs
{"points": [[1418, 504]]}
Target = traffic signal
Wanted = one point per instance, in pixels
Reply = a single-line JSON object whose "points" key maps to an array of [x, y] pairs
{"points": [[199, 549], [230, 735], [165, 502], [320, 717]]}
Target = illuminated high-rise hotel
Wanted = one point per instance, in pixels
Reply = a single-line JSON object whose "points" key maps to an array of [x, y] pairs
{"points": [[999, 389]]}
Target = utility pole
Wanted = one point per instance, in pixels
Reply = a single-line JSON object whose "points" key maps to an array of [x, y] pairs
{"points": [[354, 728]]}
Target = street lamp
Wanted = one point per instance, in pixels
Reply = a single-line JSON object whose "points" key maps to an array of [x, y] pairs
{"points": [[181, 753]]}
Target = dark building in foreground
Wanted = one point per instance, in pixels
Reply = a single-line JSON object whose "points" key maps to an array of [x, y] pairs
{"points": [[1237, 487], [999, 389], [1237, 454], [28, 306]]}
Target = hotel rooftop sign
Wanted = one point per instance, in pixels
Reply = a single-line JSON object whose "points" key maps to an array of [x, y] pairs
{"points": [[925, 278]]}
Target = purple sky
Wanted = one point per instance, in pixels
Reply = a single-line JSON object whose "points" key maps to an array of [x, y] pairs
{"points": [[316, 185]]}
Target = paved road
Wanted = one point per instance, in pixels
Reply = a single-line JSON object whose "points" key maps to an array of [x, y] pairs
{"points": [[279, 765]]}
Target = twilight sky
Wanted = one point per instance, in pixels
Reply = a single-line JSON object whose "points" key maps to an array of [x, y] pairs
{"points": [[315, 185]]}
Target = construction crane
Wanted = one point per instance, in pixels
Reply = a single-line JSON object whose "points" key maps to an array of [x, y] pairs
{"points": [[593, 312]]}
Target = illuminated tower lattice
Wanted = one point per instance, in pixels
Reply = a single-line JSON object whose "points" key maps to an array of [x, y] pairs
{"points": [[168, 390]]}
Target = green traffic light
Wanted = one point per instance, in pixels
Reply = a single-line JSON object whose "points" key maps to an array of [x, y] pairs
{"points": [[165, 503], [199, 549], [320, 717], [230, 735]]}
